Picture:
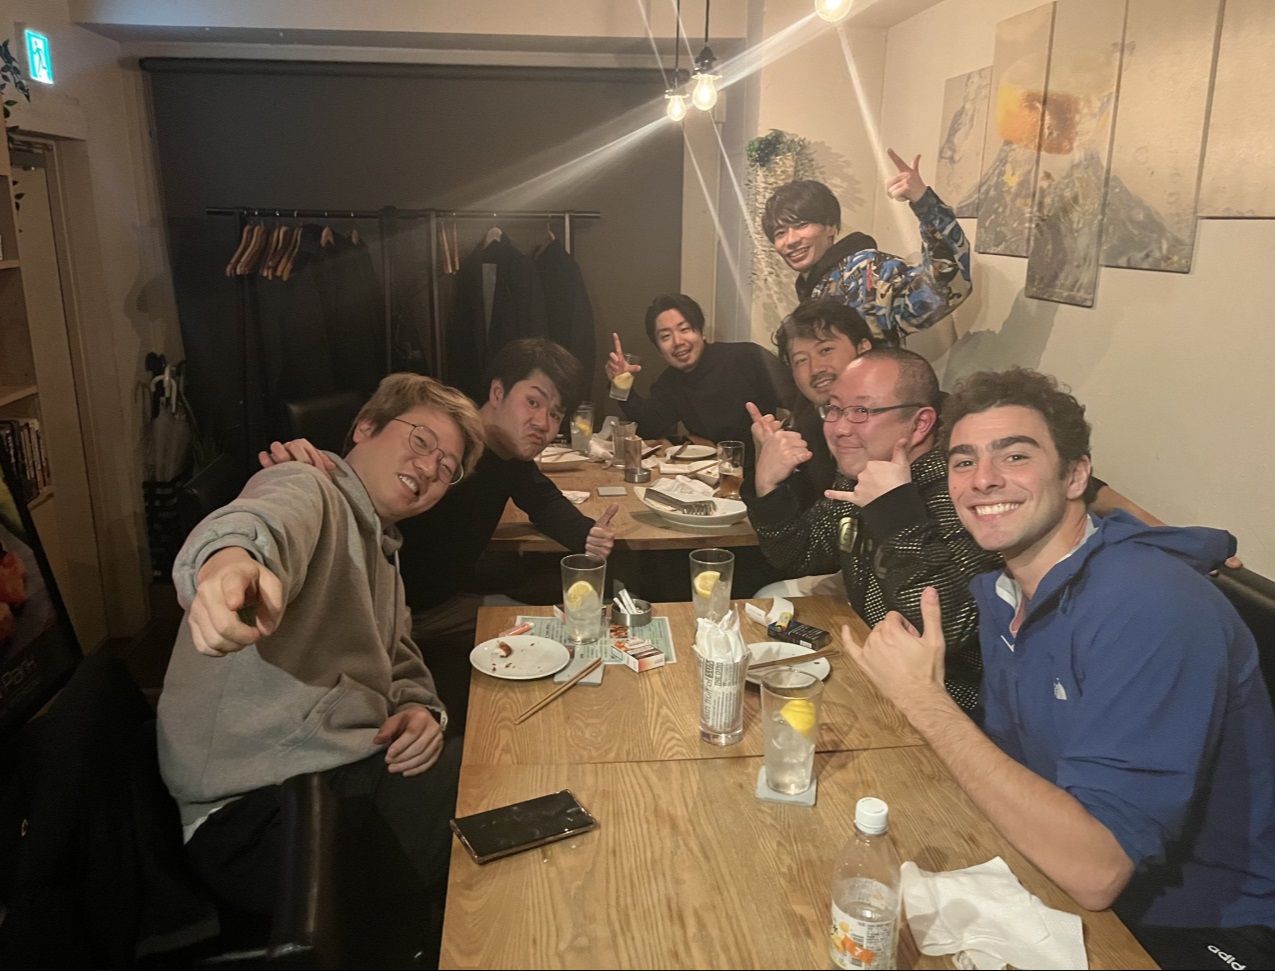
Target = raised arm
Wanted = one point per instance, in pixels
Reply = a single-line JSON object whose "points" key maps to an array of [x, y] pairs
{"points": [[1049, 825], [907, 297]]}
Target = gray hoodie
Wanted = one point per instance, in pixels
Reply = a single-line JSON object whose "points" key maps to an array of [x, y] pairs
{"points": [[311, 695]]}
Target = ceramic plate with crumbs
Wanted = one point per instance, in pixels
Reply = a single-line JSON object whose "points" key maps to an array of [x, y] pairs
{"points": [[521, 657]]}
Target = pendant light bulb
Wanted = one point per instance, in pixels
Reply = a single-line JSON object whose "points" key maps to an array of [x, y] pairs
{"points": [[704, 94], [832, 10], [676, 108]]}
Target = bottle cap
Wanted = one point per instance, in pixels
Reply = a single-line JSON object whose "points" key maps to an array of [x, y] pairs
{"points": [[871, 816]]}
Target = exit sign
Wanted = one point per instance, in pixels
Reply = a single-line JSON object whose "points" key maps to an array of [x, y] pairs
{"points": [[39, 58]]}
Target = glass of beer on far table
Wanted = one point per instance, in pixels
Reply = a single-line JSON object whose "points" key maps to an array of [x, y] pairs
{"points": [[730, 469]]}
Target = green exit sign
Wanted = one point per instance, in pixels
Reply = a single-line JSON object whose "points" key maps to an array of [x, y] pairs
{"points": [[39, 58]]}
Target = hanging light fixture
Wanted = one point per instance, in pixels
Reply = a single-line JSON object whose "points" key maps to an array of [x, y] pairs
{"points": [[676, 108], [704, 92], [832, 10]]}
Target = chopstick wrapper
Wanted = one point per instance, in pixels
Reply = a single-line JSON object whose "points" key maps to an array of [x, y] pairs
{"points": [[984, 916], [780, 613], [723, 661]]}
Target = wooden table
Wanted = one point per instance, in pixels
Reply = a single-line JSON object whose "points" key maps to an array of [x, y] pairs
{"points": [[688, 868], [655, 714], [636, 527]]}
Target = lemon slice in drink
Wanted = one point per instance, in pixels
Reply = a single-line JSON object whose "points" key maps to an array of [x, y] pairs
{"points": [[706, 582], [577, 594], [584, 427], [623, 380], [800, 714]]}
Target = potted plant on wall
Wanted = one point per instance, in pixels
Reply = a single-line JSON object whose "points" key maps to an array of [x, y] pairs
{"points": [[10, 76]]}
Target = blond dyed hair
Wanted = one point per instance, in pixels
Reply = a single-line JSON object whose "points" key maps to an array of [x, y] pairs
{"points": [[399, 393]]}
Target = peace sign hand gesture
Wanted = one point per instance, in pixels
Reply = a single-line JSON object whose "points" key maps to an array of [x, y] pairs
{"points": [[616, 363], [906, 185]]}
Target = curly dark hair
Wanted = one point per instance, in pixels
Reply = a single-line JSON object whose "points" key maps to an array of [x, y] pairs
{"points": [[1064, 416], [803, 201], [680, 302]]}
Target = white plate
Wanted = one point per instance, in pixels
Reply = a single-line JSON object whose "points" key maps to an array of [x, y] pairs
{"points": [[692, 452], [531, 657], [727, 511], [561, 462], [774, 650]]}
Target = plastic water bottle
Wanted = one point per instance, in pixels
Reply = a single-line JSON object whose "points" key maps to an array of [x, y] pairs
{"points": [[865, 893]]}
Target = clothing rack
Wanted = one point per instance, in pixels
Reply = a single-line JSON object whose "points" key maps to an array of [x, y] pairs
{"points": [[384, 217]]}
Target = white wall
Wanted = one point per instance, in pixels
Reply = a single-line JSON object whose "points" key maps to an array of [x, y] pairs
{"points": [[1173, 368], [823, 84], [126, 305]]}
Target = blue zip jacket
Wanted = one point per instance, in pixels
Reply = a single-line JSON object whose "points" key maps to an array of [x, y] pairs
{"points": [[1133, 685]]}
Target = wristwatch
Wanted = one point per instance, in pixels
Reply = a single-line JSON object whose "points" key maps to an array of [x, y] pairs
{"points": [[440, 716]]}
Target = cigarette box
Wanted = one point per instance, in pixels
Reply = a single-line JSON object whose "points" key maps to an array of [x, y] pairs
{"points": [[638, 654]]}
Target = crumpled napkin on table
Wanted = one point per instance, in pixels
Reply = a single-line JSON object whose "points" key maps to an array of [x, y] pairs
{"points": [[984, 915], [684, 485], [575, 496]]}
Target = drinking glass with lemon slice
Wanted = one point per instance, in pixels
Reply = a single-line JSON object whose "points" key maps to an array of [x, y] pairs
{"points": [[622, 383], [583, 577], [582, 427], [790, 727], [712, 572]]}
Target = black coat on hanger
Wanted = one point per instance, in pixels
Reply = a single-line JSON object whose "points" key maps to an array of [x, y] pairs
{"points": [[517, 310], [567, 303]]}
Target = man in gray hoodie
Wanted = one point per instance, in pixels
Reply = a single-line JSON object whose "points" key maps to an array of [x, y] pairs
{"points": [[296, 655]]}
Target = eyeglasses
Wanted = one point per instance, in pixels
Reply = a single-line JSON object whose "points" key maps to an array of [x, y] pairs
{"points": [[425, 442], [858, 414]]}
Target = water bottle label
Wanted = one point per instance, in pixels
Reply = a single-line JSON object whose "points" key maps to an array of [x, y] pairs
{"points": [[861, 942]]}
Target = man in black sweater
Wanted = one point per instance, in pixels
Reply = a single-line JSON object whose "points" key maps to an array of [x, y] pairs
{"points": [[707, 384], [531, 383]]}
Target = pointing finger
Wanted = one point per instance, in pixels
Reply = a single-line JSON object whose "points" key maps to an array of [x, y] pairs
{"points": [[901, 165], [619, 349], [753, 411], [916, 164]]}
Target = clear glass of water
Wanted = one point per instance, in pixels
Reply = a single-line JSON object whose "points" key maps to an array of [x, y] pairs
{"points": [[712, 573], [582, 427], [583, 579], [790, 726]]}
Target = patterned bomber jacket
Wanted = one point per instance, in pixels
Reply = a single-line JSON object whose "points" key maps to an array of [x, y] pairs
{"points": [[893, 296], [888, 552]]}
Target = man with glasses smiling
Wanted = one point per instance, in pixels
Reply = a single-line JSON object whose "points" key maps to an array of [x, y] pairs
{"points": [[531, 385], [297, 656], [888, 524]]}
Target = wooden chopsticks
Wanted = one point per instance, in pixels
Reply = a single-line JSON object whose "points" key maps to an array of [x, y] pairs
{"points": [[797, 658], [566, 686]]}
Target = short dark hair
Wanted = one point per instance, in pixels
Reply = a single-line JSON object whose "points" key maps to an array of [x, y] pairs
{"points": [[1064, 416], [818, 320], [917, 380], [803, 201], [680, 302], [518, 359]]}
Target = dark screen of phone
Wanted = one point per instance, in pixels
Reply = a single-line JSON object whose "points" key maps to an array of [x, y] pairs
{"points": [[498, 831]]}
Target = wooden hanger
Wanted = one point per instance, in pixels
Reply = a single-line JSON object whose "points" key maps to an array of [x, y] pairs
{"points": [[240, 250], [290, 259], [355, 237], [275, 251], [255, 246]]}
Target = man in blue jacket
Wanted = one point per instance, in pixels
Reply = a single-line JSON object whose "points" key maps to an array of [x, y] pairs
{"points": [[1130, 746]]}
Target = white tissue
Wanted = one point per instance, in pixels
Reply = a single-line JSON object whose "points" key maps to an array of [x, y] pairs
{"points": [[984, 912], [720, 640]]}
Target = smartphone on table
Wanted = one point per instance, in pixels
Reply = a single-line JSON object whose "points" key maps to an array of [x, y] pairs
{"points": [[520, 826]]}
